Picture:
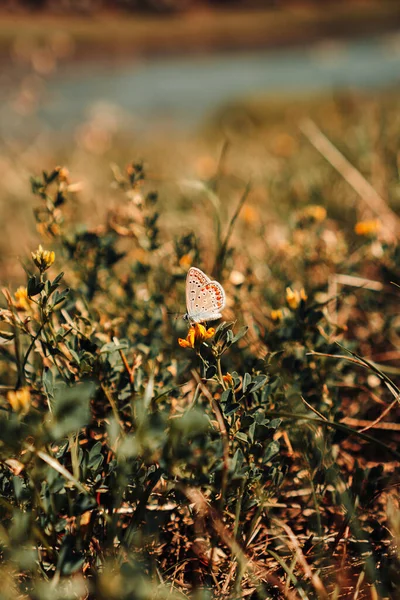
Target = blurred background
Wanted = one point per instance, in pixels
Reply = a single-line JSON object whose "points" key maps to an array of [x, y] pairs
{"points": [[196, 88]]}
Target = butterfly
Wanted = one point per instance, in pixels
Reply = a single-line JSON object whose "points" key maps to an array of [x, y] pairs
{"points": [[204, 298]]}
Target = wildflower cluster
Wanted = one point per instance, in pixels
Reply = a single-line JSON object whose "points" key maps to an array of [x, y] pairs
{"points": [[197, 335], [141, 459], [43, 259], [294, 297], [19, 400]]}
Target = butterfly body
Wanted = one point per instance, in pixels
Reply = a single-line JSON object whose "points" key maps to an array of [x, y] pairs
{"points": [[205, 299]]}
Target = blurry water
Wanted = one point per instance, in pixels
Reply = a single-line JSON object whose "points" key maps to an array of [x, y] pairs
{"points": [[182, 91]]}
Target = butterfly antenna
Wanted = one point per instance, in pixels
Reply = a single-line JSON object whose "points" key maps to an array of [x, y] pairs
{"points": [[177, 315]]}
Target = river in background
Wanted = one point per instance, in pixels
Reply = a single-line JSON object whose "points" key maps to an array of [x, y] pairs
{"points": [[181, 92]]}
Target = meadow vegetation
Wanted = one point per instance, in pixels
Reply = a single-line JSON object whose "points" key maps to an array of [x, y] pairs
{"points": [[256, 461]]}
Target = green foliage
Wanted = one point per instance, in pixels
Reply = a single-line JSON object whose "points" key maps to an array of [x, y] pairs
{"points": [[124, 456]]}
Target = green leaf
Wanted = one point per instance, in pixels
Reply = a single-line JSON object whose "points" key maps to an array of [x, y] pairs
{"points": [[74, 355], [71, 409], [226, 396], [221, 329], [242, 437], [246, 381], [129, 447], [60, 297], [240, 334], [257, 383], [48, 384], [57, 280], [191, 424], [231, 408], [35, 286], [69, 559], [6, 335], [271, 450]]}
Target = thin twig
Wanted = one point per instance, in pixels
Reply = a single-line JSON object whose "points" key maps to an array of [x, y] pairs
{"points": [[367, 193], [220, 259], [314, 578], [374, 424], [114, 407], [314, 410], [59, 467]]}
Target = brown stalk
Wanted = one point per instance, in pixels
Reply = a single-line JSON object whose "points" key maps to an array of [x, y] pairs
{"points": [[374, 424], [368, 194], [314, 578]]}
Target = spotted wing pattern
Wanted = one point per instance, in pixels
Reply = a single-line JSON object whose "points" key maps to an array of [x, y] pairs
{"points": [[204, 298]]}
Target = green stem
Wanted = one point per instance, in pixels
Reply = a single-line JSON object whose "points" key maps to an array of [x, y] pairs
{"points": [[73, 448], [220, 260], [31, 345], [288, 572], [316, 506], [139, 513], [195, 396], [220, 376], [238, 509], [114, 408]]}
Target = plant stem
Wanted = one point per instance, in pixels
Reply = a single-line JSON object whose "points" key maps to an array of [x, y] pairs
{"points": [[73, 448], [114, 408], [219, 371]]}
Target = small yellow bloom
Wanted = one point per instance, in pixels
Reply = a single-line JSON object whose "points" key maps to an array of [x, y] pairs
{"points": [[303, 295], [315, 212], [197, 334], [63, 174], [249, 214], [43, 259], [186, 261], [369, 227], [228, 379], [19, 400], [277, 315], [22, 301], [293, 297]]}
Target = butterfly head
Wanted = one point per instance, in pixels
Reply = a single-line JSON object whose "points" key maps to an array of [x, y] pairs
{"points": [[191, 319]]}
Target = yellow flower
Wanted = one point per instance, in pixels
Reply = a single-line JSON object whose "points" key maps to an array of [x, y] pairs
{"points": [[277, 315], [197, 334], [315, 211], [22, 301], [63, 173], [249, 214], [43, 259], [228, 379], [20, 400], [294, 297], [186, 261], [369, 227]]}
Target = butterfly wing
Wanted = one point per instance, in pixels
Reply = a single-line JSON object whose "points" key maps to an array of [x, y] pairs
{"points": [[195, 280], [204, 298], [210, 301]]}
